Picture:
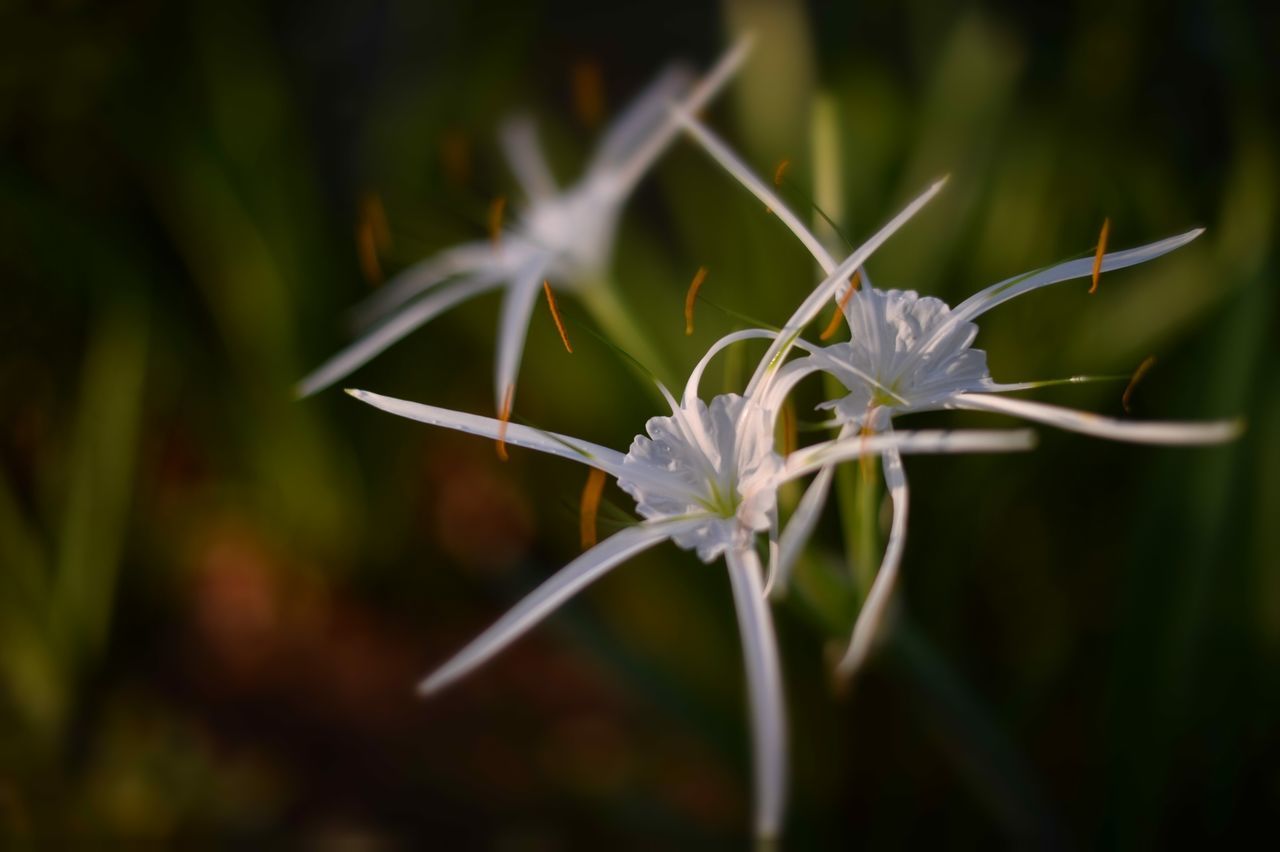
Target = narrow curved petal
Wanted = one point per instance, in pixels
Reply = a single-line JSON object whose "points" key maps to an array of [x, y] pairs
{"points": [[513, 327], [985, 300], [1008, 387], [366, 348], [809, 459], [695, 377], [519, 141], [818, 298], [550, 443], [764, 691], [721, 153], [1209, 432], [544, 600], [870, 622], [468, 258], [628, 173], [800, 526], [645, 111]]}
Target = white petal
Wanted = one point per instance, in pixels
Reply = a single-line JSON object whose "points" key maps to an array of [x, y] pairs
{"points": [[644, 112], [816, 300], [367, 347], [1208, 432], [550, 443], [764, 691], [628, 173], [870, 623], [472, 257], [513, 327], [985, 300], [691, 387], [809, 459], [800, 526], [519, 141], [544, 600], [740, 170]]}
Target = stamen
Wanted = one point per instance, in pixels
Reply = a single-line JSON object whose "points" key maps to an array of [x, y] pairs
{"points": [[779, 172], [691, 297], [496, 208], [504, 417], [588, 92], [1143, 369], [588, 507], [1097, 258], [555, 315], [372, 236], [864, 461], [834, 325]]}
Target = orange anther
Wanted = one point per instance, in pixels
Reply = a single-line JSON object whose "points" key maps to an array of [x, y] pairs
{"points": [[1097, 257], [691, 297], [588, 507], [834, 325], [555, 315], [504, 417], [588, 92], [1143, 369], [780, 171], [372, 236], [496, 208]]}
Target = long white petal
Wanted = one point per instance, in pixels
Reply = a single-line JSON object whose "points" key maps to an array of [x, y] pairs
{"points": [[742, 172], [809, 459], [1175, 433], [519, 141], [695, 377], [764, 691], [628, 173], [800, 526], [412, 317], [544, 600], [870, 622], [513, 327], [641, 115], [550, 443], [985, 300], [817, 300], [468, 258]]}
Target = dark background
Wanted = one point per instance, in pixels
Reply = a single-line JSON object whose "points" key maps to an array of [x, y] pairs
{"points": [[215, 601]]}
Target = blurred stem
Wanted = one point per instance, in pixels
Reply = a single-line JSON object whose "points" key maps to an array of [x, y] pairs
{"points": [[858, 495], [602, 302]]}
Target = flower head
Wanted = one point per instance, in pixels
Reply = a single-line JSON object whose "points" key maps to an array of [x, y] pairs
{"points": [[562, 236]]}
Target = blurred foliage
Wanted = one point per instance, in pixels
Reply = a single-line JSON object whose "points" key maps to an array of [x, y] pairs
{"points": [[214, 601]]}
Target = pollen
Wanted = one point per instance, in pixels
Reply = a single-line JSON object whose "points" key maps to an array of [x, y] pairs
{"points": [[497, 208], [504, 417], [555, 315], [589, 506], [834, 325], [1097, 257], [691, 298], [1143, 369]]}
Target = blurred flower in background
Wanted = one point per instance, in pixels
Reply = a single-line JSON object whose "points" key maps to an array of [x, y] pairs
{"points": [[214, 601]]}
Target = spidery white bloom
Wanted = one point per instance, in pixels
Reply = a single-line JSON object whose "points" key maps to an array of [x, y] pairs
{"points": [[562, 236], [914, 353], [705, 477]]}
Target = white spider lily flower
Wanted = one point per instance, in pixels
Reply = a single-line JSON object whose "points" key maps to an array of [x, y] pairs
{"points": [[706, 478], [564, 237], [914, 353]]}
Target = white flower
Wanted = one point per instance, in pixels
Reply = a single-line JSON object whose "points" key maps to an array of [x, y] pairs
{"points": [[914, 353], [565, 237], [706, 478]]}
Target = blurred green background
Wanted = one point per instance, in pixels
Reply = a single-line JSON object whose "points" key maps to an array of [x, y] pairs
{"points": [[215, 601]]}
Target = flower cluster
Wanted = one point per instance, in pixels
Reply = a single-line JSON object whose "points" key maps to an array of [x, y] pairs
{"points": [[707, 475]]}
